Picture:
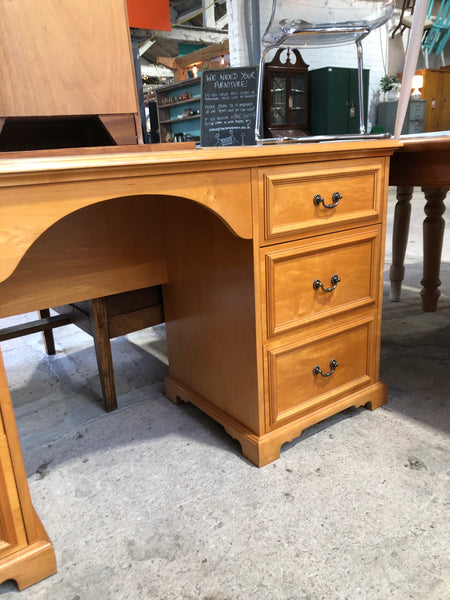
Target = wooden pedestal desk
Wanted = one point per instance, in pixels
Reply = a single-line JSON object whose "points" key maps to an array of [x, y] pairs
{"points": [[271, 261]]}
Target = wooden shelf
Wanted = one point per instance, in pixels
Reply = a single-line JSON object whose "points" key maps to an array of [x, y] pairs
{"points": [[181, 119], [170, 104]]}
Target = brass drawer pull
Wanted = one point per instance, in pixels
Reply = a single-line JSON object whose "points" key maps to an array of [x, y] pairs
{"points": [[334, 281], [336, 197], [333, 364]]}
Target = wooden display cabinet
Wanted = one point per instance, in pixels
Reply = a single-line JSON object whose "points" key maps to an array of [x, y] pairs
{"points": [[286, 95], [179, 111], [436, 91]]}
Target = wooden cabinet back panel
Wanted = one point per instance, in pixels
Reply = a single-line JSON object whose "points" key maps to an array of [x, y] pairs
{"points": [[292, 300], [288, 195], [12, 533], [294, 390]]}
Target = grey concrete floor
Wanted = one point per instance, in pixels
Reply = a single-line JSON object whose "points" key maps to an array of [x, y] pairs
{"points": [[154, 501]]}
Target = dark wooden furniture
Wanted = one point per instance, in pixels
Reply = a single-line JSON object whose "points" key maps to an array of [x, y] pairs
{"points": [[103, 318], [109, 317], [286, 95], [424, 162]]}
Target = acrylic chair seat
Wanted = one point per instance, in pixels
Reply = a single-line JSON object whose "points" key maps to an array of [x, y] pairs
{"points": [[321, 23], [304, 23]]}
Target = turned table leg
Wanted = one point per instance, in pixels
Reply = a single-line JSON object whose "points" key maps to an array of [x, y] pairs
{"points": [[433, 237], [400, 232]]}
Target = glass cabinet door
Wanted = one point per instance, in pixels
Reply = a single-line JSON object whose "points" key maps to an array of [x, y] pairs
{"points": [[286, 95], [298, 99], [278, 112]]}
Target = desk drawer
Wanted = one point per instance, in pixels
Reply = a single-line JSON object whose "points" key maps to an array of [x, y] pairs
{"points": [[294, 388], [320, 278], [320, 196]]}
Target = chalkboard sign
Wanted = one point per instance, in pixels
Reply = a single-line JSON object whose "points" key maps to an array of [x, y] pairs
{"points": [[229, 106]]}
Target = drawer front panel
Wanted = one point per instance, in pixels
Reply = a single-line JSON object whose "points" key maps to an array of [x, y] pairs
{"points": [[294, 390], [302, 198], [300, 283]]}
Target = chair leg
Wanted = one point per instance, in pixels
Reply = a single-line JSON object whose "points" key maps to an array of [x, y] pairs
{"points": [[103, 353], [49, 340], [362, 124]]}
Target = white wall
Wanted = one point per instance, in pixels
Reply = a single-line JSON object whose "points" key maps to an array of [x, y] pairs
{"points": [[374, 48]]}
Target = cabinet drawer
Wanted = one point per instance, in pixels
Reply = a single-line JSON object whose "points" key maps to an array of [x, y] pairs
{"points": [[417, 110], [292, 387], [300, 280], [292, 196]]}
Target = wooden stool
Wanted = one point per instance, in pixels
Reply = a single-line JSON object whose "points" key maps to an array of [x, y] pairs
{"points": [[103, 318]]}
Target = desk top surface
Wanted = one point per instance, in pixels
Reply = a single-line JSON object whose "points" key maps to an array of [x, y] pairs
{"points": [[142, 156]]}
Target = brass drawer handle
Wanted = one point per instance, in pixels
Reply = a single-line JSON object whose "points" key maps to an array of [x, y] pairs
{"points": [[333, 364], [334, 281], [336, 197]]}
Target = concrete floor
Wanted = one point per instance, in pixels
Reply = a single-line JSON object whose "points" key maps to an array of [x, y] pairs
{"points": [[154, 501]]}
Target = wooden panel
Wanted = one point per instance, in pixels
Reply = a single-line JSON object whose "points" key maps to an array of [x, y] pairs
{"points": [[436, 91], [65, 58], [290, 271], [293, 389], [27, 211], [288, 196], [136, 320], [209, 307], [104, 249], [23, 559], [12, 533]]}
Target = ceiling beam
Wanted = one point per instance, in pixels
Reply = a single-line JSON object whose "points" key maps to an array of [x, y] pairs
{"points": [[203, 54]]}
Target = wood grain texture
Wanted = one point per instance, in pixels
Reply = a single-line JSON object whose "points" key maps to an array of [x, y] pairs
{"points": [[30, 557], [48, 51], [288, 196], [291, 300], [27, 211], [209, 307], [103, 249]]}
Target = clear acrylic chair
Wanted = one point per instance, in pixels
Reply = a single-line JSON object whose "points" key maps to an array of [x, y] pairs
{"points": [[321, 23]]}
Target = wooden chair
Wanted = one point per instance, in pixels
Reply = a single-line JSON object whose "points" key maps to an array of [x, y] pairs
{"points": [[406, 18], [104, 318]]}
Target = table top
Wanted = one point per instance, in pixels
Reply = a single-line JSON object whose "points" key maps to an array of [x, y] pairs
{"points": [[422, 160]]}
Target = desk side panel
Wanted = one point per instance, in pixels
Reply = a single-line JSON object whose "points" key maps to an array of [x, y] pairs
{"points": [[209, 305]]}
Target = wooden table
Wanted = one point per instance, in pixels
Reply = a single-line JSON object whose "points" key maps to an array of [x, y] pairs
{"points": [[271, 265], [422, 161]]}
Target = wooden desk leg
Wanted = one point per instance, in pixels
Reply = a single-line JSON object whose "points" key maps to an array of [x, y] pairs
{"points": [[402, 216], [100, 332], [433, 237], [26, 553]]}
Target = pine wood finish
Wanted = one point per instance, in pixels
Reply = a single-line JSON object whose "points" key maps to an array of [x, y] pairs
{"points": [[235, 239], [26, 553]]}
